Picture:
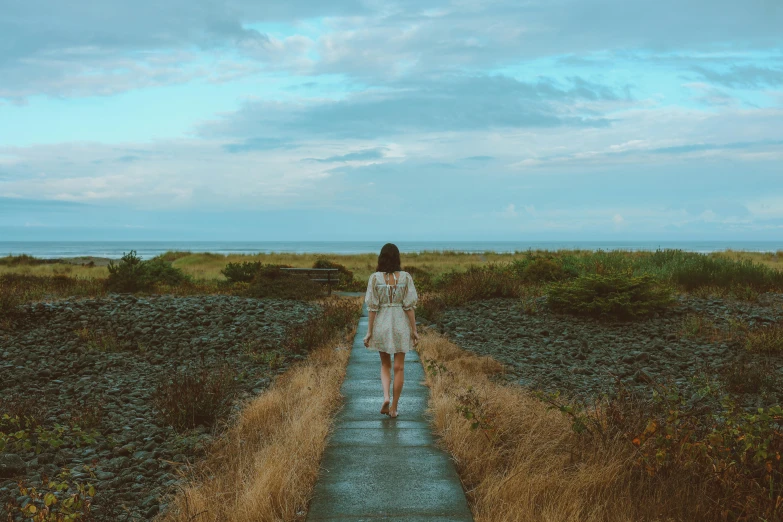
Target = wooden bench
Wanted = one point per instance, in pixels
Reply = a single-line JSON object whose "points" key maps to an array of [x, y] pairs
{"points": [[329, 276]]}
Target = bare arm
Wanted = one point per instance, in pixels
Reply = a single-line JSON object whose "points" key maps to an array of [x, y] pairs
{"points": [[371, 322], [412, 319]]}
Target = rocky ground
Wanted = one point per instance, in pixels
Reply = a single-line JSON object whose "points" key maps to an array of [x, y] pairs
{"points": [[100, 360], [582, 356]]}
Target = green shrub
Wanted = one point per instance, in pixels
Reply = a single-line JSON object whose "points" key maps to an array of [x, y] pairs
{"points": [[345, 276], [241, 272], [611, 296], [132, 274]]}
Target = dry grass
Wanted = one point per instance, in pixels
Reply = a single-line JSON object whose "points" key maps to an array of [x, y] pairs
{"points": [[771, 259], [266, 464], [521, 461]]}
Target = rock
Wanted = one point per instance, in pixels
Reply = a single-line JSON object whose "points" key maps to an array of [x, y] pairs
{"points": [[11, 465]]}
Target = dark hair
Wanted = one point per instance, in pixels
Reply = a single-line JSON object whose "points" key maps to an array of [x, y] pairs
{"points": [[389, 259]]}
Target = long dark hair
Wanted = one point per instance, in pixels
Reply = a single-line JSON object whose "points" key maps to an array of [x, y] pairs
{"points": [[389, 259]]}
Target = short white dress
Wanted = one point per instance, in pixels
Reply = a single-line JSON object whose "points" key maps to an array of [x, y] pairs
{"points": [[391, 331]]}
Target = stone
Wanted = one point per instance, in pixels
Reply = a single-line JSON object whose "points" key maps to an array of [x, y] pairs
{"points": [[11, 465]]}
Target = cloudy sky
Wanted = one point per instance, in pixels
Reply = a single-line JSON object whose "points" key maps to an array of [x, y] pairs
{"points": [[402, 119]]}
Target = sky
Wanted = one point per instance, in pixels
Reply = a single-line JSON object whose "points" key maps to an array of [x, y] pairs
{"points": [[399, 119]]}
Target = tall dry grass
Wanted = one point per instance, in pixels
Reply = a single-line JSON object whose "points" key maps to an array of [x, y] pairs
{"points": [[521, 461], [265, 466]]}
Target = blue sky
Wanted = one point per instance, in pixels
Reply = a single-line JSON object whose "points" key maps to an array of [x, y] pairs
{"points": [[356, 119]]}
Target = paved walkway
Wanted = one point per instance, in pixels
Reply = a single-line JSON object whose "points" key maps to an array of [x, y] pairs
{"points": [[376, 467]]}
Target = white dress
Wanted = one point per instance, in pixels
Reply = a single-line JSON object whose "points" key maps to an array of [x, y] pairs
{"points": [[391, 331]]}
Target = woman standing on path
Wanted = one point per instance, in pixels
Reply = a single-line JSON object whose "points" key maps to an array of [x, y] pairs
{"points": [[391, 299]]}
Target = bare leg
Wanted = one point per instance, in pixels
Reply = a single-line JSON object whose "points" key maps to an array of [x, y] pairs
{"points": [[385, 375], [399, 380]]}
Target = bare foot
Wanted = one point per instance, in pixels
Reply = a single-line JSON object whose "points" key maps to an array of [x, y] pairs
{"points": [[393, 413], [385, 408]]}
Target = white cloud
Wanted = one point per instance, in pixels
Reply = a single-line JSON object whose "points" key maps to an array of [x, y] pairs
{"points": [[510, 211]]}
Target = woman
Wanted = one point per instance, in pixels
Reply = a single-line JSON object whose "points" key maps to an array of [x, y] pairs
{"points": [[391, 298]]}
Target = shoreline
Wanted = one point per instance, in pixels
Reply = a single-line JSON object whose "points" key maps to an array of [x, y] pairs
{"points": [[84, 251]]}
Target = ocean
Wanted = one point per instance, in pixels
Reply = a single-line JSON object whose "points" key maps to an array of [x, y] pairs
{"points": [[148, 249]]}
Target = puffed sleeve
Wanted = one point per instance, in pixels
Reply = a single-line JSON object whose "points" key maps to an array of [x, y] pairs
{"points": [[372, 298], [410, 298]]}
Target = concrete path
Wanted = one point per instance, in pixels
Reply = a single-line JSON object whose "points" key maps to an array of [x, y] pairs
{"points": [[376, 467]]}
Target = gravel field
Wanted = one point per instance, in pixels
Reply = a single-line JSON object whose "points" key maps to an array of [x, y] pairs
{"points": [[133, 459], [581, 356]]}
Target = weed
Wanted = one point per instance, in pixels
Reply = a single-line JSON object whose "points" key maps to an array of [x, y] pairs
{"points": [[743, 375], [195, 396], [767, 339], [58, 500], [98, 341]]}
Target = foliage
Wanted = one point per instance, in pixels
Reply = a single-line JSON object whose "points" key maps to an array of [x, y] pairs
{"points": [[346, 280], [705, 439], [335, 316], [132, 274], [612, 296], [22, 434], [474, 409], [195, 396], [59, 500], [241, 272]]}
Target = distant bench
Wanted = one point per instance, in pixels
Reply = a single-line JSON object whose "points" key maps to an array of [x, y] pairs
{"points": [[320, 275]]}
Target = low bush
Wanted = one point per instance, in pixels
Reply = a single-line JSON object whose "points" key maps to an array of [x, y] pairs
{"points": [[345, 276], [132, 274], [195, 396], [241, 272], [611, 296]]}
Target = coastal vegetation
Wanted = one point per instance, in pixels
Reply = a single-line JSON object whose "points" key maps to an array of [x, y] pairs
{"points": [[649, 454], [125, 389], [648, 379], [264, 466]]}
